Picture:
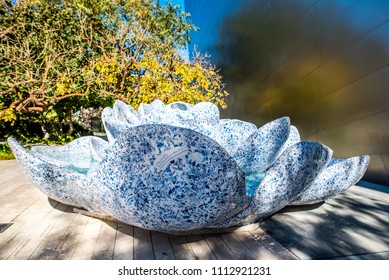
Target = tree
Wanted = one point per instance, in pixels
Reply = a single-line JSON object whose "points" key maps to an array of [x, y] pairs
{"points": [[57, 56], [45, 67], [141, 62]]}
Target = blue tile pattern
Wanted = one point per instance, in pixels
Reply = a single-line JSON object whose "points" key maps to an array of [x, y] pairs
{"points": [[337, 177], [179, 167], [54, 173], [291, 174], [262, 148], [169, 178]]}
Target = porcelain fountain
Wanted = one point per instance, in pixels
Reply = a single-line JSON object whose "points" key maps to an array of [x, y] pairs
{"points": [[179, 167]]}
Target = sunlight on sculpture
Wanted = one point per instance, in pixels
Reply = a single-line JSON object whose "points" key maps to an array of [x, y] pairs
{"points": [[179, 167]]}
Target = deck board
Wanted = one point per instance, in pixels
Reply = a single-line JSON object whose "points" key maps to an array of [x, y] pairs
{"points": [[272, 245], [143, 247], [105, 241], [257, 248], [162, 247], [86, 244], [238, 247], [49, 243], [219, 247], [37, 230], [36, 227], [200, 248], [181, 249], [124, 243], [68, 243], [19, 234]]}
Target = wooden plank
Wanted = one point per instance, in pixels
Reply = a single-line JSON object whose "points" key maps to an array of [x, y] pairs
{"points": [[124, 243], [103, 217], [17, 234], [37, 232], [50, 242], [68, 243], [257, 248], [273, 245], [181, 249], [161, 246], [11, 233], [12, 206], [200, 248], [143, 247], [13, 209], [87, 242], [219, 247], [14, 190], [105, 241], [9, 239], [38, 210], [10, 172], [237, 246]]}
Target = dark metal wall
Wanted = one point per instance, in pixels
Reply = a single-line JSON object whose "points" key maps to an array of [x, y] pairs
{"points": [[324, 63]]}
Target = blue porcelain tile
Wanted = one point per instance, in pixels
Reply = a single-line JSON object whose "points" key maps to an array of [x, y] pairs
{"points": [[292, 173], [337, 177], [125, 113], [113, 126], [177, 178], [231, 134], [293, 138], [58, 180], [261, 149]]}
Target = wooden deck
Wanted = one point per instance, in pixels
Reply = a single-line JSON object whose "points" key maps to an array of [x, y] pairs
{"points": [[35, 227]]}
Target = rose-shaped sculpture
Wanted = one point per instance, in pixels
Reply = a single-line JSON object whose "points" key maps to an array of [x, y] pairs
{"points": [[180, 167]]}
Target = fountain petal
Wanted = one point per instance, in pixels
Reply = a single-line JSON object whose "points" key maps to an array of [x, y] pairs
{"points": [[152, 113], [292, 173], [205, 112], [293, 138], [58, 181], [230, 134], [82, 154], [338, 176], [262, 148], [179, 105], [125, 113], [167, 178], [113, 127]]}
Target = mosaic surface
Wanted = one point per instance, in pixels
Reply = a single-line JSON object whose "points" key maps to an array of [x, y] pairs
{"points": [[179, 167]]}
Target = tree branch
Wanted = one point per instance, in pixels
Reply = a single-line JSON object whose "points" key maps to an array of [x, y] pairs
{"points": [[15, 86], [56, 98], [128, 66]]}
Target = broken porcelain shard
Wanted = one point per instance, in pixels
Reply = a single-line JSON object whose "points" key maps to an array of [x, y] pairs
{"points": [[179, 167]]}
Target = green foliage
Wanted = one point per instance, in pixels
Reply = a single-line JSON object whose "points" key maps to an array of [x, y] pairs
{"points": [[58, 56], [5, 152]]}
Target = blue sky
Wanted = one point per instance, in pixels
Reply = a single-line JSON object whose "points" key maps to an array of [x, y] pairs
{"points": [[175, 2]]}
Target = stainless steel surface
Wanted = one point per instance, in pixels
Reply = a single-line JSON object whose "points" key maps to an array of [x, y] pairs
{"points": [[323, 63]]}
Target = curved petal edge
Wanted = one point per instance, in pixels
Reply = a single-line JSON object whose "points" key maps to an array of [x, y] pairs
{"points": [[336, 178], [292, 173]]}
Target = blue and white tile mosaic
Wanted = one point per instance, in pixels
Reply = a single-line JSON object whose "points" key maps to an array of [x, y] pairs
{"points": [[260, 150], [53, 171], [292, 173], [179, 167], [336, 178], [169, 178]]}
